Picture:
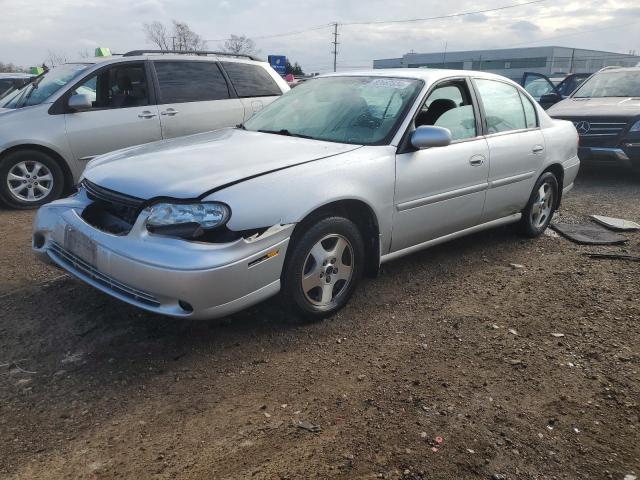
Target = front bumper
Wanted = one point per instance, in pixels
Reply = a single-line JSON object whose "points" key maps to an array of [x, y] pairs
{"points": [[164, 275]]}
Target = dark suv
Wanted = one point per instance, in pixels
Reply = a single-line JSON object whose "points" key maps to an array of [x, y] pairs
{"points": [[606, 112]]}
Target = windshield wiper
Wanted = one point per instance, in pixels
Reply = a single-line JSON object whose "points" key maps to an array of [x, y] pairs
{"points": [[286, 133]]}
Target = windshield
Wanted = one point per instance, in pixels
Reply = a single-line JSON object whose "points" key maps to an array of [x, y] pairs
{"points": [[611, 84], [44, 86], [357, 110]]}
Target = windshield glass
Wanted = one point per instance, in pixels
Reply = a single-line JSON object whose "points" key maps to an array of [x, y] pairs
{"points": [[611, 84], [44, 86], [357, 110]]}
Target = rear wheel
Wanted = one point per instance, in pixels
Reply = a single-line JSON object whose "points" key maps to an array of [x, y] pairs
{"points": [[29, 178], [323, 267], [542, 205]]}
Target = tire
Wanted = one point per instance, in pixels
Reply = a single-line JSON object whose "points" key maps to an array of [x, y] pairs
{"points": [[541, 206], [316, 280], [39, 174]]}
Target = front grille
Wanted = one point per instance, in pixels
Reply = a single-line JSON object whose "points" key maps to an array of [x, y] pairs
{"points": [[108, 204], [65, 257], [598, 131]]}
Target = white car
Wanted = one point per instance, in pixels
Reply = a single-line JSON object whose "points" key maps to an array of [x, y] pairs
{"points": [[337, 176], [52, 127]]}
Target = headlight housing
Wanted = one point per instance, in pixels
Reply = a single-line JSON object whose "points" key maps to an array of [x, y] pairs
{"points": [[635, 127], [166, 217]]}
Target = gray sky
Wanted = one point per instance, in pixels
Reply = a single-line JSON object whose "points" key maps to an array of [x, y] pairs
{"points": [[28, 29]]}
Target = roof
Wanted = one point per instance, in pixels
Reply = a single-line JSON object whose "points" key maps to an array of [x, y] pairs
{"points": [[155, 54], [427, 74], [15, 75]]}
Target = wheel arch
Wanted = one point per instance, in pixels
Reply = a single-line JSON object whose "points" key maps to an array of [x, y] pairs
{"points": [[66, 171], [362, 215], [558, 172]]}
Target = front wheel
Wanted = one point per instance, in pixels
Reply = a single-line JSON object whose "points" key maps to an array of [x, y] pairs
{"points": [[323, 267], [29, 178], [542, 205]]}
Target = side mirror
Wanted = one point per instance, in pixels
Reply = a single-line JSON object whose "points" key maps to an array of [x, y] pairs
{"points": [[549, 98], [80, 102], [428, 136]]}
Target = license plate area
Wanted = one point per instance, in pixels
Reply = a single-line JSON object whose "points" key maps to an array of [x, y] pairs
{"points": [[80, 245]]}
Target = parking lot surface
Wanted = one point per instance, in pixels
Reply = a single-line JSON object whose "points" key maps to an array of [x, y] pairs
{"points": [[452, 364]]}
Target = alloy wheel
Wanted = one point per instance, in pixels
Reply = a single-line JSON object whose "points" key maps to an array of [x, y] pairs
{"points": [[327, 270], [542, 205], [30, 181]]}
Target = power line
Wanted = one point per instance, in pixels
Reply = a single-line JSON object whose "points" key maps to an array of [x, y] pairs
{"points": [[452, 15]]}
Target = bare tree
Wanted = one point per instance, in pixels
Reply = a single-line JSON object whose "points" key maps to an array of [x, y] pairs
{"points": [[54, 59], [179, 37], [240, 45], [10, 67], [158, 34], [84, 53]]}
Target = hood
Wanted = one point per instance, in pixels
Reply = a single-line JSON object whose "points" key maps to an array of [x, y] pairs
{"points": [[596, 107], [187, 167]]}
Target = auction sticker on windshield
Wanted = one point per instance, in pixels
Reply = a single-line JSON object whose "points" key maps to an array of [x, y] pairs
{"points": [[390, 82]]}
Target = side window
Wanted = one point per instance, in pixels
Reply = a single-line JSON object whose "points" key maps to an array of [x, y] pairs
{"points": [[502, 106], [121, 86], [529, 111], [251, 80], [449, 106], [182, 82]]}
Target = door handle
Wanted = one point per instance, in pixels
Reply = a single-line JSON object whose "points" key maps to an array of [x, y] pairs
{"points": [[146, 114], [477, 160], [537, 149], [169, 112]]}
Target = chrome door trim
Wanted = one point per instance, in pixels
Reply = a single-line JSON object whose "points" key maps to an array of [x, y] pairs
{"points": [[501, 182], [430, 243], [439, 197]]}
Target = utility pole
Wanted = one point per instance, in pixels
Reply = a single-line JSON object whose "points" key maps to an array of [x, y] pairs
{"points": [[335, 45]]}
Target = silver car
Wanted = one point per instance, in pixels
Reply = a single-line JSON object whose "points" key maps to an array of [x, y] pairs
{"points": [[53, 126], [341, 174]]}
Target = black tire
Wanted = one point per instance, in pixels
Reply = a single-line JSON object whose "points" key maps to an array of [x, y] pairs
{"points": [[300, 259], [52, 189], [530, 224]]}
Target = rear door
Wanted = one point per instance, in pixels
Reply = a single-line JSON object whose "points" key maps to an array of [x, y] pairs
{"points": [[123, 113], [538, 86], [194, 97], [516, 146], [255, 87]]}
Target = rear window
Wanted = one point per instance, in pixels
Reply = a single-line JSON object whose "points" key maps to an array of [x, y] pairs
{"points": [[182, 82], [251, 80]]}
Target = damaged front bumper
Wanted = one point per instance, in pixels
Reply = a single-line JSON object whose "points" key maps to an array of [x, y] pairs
{"points": [[165, 275]]}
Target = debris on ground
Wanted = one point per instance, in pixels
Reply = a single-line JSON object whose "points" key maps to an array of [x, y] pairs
{"points": [[308, 426], [617, 224], [557, 335], [588, 234], [516, 266], [513, 331], [614, 256]]}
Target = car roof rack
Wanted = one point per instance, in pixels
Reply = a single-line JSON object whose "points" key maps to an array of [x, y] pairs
{"points": [[135, 53]]}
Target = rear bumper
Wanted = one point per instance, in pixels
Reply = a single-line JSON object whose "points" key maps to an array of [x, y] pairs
{"points": [[161, 274]]}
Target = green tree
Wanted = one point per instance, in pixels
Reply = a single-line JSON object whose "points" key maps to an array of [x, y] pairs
{"points": [[295, 69]]}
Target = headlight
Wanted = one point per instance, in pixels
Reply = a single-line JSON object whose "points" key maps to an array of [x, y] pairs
{"points": [[635, 127], [206, 215]]}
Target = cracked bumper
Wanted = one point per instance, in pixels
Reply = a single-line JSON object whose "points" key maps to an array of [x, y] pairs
{"points": [[161, 274]]}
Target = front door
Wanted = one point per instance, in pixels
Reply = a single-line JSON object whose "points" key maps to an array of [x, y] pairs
{"points": [[442, 190], [540, 88], [194, 97], [121, 115]]}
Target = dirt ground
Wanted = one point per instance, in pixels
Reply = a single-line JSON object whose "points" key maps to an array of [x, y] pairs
{"points": [[452, 342]]}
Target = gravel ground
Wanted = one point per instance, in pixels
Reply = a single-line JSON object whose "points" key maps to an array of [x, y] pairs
{"points": [[451, 365]]}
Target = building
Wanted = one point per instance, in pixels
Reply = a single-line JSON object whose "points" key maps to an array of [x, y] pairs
{"points": [[513, 62]]}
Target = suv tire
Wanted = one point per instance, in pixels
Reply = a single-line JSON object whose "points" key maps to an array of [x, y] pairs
{"points": [[29, 179]]}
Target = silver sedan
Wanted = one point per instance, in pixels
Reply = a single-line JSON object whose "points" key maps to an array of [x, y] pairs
{"points": [[341, 174]]}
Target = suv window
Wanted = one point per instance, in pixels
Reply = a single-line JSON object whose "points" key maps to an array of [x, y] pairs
{"points": [[502, 106], [449, 106], [121, 86], [251, 80], [182, 82]]}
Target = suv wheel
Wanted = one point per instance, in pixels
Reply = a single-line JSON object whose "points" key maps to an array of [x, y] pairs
{"points": [[542, 205], [323, 267], [29, 178]]}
